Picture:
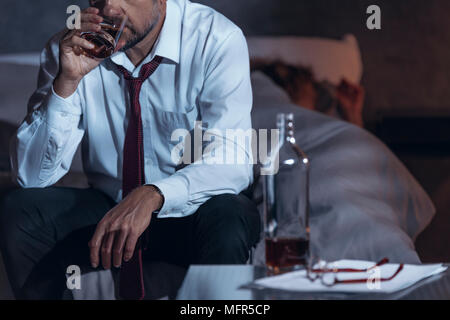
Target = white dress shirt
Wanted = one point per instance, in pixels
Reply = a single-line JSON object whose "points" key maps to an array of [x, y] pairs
{"points": [[204, 76]]}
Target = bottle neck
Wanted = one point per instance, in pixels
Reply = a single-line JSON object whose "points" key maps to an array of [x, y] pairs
{"points": [[289, 131], [285, 125]]}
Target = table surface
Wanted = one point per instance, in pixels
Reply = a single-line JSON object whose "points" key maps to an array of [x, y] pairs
{"points": [[215, 282]]}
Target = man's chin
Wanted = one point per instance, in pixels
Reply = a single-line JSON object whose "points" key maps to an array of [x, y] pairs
{"points": [[129, 45], [139, 37]]}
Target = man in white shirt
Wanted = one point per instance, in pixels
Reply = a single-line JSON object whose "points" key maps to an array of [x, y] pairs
{"points": [[199, 71]]}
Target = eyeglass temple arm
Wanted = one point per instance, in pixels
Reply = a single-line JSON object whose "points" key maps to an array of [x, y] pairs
{"points": [[337, 281], [378, 264]]}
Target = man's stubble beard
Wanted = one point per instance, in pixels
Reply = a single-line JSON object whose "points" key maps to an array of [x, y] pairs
{"points": [[139, 37]]}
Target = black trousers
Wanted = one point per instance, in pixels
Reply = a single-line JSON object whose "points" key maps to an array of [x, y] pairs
{"points": [[43, 231]]}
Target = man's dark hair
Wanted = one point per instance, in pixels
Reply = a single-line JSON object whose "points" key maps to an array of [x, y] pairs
{"points": [[286, 75]]}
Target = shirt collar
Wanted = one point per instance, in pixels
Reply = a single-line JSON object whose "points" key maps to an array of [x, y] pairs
{"points": [[167, 44]]}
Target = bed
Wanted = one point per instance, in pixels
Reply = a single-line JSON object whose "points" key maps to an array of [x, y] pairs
{"points": [[364, 202]]}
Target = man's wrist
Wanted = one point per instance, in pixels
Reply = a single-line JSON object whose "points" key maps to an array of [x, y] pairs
{"points": [[65, 87], [158, 195]]}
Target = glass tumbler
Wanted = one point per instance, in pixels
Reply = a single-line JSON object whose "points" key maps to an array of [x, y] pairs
{"points": [[105, 40]]}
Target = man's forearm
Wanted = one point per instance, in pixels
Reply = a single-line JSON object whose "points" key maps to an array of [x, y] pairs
{"points": [[48, 140]]}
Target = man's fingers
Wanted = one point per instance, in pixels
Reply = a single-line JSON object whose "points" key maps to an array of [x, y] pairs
{"points": [[90, 11], [106, 250], [69, 35], [73, 42], [77, 50], [89, 17], [130, 246], [77, 41], [93, 10], [95, 244], [119, 244], [89, 26]]}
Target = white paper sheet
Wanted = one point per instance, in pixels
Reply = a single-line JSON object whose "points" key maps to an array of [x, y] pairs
{"points": [[409, 275]]}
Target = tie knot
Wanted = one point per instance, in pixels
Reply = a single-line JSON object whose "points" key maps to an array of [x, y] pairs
{"points": [[145, 72]]}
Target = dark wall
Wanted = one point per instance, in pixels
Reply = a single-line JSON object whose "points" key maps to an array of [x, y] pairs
{"points": [[25, 25], [407, 63]]}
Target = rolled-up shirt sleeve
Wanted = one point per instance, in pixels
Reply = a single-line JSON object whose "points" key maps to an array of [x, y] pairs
{"points": [[225, 104], [45, 143]]}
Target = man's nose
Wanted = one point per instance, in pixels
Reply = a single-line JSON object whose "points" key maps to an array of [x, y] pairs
{"points": [[112, 8]]}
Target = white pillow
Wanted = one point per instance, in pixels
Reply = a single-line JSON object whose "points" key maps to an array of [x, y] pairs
{"points": [[329, 59]]}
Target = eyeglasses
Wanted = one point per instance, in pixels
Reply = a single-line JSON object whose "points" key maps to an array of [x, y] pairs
{"points": [[327, 273]]}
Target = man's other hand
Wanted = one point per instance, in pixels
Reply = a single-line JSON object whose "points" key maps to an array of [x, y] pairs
{"points": [[118, 232]]}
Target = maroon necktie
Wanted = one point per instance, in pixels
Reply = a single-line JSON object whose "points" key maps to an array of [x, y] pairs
{"points": [[131, 285]]}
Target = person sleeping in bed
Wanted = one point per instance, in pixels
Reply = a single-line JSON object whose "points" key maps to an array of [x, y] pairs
{"points": [[343, 101]]}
